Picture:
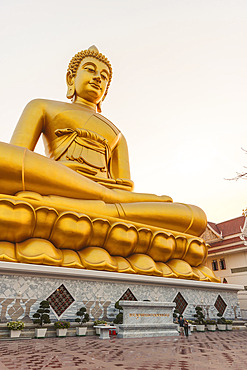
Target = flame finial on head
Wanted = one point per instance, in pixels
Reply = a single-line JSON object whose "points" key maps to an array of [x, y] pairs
{"points": [[93, 48]]}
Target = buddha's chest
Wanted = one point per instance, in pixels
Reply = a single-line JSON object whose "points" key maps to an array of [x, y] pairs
{"points": [[79, 120], [83, 138]]}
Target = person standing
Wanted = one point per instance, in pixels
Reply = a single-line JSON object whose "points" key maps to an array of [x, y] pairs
{"points": [[181, 325], [186, 328]]}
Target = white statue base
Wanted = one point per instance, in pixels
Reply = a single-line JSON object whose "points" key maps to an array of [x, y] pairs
{"points": [[147, 319], [24, 286]]}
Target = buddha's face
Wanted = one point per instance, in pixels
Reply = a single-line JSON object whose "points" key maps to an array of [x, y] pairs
{"points": [[91, 80]]}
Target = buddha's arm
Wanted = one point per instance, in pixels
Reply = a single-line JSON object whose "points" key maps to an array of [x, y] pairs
{"points": [[119, 164], [30, 125], [120, 169]]}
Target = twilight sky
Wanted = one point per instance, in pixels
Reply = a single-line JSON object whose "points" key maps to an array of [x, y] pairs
{"points": [[178, 92]]}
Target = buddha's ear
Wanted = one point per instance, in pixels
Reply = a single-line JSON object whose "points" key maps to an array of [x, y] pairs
{"points": [[71, 84]]}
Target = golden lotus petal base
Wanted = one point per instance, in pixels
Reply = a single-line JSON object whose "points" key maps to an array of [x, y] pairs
{"points": [[95, 258], [144, 265], [208, 273], [166, 270], [38, 251], [43, 252], [7, 252], [71, 259], [182, 269], [43, 235], [124, 265]]}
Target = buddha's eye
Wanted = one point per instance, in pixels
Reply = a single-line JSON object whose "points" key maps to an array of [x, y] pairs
{"points": [[104, 77], [89, 69]]}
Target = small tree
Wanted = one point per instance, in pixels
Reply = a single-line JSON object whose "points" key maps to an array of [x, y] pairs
{"points": [[83, 316], [199, 316], [42, 314], [221, 319], [119, 317]]}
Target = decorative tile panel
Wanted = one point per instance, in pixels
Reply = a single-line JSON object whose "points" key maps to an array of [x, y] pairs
{"points": [[60, 300], [181, 303], [128, 296], [220, 305]]}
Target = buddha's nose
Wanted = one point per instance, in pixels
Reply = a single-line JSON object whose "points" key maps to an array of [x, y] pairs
{"points": [[97, 78]]}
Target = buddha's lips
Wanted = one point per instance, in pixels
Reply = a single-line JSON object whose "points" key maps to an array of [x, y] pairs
{"points": [[95, 85]]}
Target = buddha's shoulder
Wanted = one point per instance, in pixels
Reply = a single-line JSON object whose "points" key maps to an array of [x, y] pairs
{"points": [[59, 107], [59, 110], [48, 104]]}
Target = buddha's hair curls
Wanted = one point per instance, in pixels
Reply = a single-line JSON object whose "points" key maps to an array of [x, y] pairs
{"points": [[90, 52]]}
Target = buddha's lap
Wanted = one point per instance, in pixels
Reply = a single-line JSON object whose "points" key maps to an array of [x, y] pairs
{"points": [[173, 216], [16, 174]]}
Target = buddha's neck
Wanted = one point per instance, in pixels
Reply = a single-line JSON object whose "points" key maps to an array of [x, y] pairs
{"points": [[82, 101]]}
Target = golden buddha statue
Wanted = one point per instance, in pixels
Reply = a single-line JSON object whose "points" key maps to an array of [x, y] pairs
{"points": [[76, 208]]}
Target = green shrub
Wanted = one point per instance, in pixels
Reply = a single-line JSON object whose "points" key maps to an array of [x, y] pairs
{"points": [[229, 322], [119, 317], [191, 322], [15, 325], [62, 324], [199, 316], [99, 322], [42, 314], [221, 319], [83, 316]]}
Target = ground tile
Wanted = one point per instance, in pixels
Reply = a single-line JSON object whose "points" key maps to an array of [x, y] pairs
{"points": [[201, 351]]}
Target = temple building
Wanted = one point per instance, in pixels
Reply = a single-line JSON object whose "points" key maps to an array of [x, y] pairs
{"points": [[227, 253]]}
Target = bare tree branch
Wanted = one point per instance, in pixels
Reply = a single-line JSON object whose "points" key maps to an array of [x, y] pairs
{"points": [[242, 175]]}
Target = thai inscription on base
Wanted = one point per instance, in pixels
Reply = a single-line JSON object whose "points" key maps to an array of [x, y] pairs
{"points": [[146, 312], [137, 315]]}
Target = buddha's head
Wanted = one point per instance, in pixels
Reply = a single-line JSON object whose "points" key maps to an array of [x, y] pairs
{"points": [[88, 77]]}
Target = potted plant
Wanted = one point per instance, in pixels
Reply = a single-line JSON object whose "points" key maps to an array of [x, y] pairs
{"points": [[221, 322], [228, 324], [119, 318], [41, 317], [98, 323], [61, 328], [211, 325], [83, 318], [15, 328], [199, 319]]}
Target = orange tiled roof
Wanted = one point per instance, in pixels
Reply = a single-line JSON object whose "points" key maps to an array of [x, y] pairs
{"points": [[214, 226], [229, 227]]}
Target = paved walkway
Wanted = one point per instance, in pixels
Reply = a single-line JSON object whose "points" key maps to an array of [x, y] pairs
{"points": [[219, 350]]}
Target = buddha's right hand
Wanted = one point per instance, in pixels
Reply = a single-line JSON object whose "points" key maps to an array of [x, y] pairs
{"points": [[123, 196]]}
